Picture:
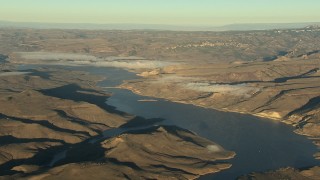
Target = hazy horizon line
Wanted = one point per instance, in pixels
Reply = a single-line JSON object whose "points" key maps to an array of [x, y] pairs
{"points": [[167, 24], [154, 26]]}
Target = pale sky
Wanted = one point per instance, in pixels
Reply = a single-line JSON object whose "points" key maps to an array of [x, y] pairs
{"points": [[177, 12]]}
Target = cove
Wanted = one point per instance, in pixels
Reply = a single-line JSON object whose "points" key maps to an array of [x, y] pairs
{"points": [[260, 144]]}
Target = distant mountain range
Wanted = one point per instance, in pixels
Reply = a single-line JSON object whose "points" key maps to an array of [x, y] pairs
{"points": [[231, 27], [268, 26]]}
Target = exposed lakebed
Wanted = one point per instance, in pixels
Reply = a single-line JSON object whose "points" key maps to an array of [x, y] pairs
{"points": [[260, 144]]}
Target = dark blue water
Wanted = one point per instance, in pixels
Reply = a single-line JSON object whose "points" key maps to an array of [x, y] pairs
{"points": [[3, 58], [260, 144]]}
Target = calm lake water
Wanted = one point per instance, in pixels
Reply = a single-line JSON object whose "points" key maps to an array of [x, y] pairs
{"points": [[260, 144]]}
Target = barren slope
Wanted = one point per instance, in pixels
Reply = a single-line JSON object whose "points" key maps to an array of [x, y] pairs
{"points": [[176, 154]]}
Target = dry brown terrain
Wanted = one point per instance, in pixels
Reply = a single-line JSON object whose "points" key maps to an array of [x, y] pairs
{"points": [[286, 173], [167, 45], [36, 123], [273, 74], [288, 91], [177, 154], [32, 122]]}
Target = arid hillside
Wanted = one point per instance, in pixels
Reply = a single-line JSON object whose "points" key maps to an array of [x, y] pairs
{"points": [[272, 73], [52, 123], [168, 45]]}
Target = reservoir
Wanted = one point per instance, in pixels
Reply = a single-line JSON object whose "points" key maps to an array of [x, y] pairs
{"points": [[260, 144]]}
